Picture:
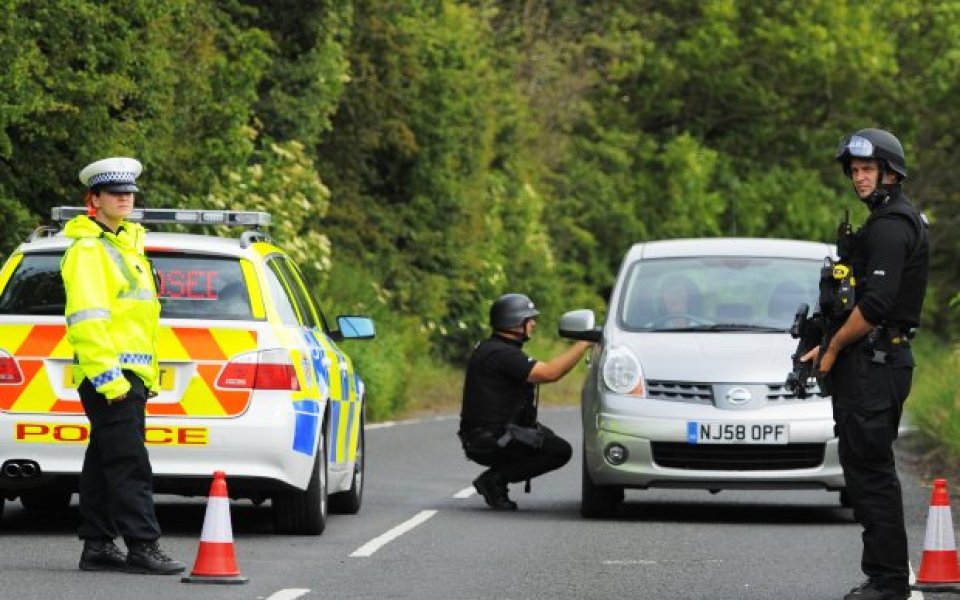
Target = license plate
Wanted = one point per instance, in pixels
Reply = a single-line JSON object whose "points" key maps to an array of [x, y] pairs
{"points": [[731, 432], [166, 378]]}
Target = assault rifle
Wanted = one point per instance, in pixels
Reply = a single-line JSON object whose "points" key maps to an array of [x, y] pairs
{"points": [[837, 298], [811, 331]]}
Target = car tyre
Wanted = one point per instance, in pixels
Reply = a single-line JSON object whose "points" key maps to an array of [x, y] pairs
{"points": [[598, 501], [348, 502], [304, 512], [46, 500]]}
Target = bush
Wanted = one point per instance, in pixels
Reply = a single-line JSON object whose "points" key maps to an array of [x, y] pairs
{"points": [[934, 404]]}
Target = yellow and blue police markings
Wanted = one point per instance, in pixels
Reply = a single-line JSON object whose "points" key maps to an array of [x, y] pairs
{"points": [[335, 373]]}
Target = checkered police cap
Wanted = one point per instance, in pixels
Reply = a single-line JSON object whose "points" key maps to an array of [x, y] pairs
{"points": [[117, 174]]}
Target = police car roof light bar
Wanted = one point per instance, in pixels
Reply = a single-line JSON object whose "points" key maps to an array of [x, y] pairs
{"points": [[237, 218]]}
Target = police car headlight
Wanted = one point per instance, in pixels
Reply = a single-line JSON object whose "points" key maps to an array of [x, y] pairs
{"points": [[621, 371]]}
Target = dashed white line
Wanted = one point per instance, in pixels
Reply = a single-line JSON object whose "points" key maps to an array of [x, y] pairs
{"points": [[378, 542], [465, 492], [290, 594]]}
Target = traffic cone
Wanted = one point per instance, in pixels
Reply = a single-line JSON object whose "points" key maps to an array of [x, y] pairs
{"points": [[939, 571], [215, 560]]}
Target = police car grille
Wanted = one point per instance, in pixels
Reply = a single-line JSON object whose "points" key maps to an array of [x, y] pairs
{"points": [[737, 457], [780, 393], [678, 391]]}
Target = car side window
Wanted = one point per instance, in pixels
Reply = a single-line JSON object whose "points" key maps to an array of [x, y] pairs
{"points": [[307, 296], [279, 293], [297, 293]]}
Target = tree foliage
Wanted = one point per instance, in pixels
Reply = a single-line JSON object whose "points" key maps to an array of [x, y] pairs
{"points": [[421, 157]]}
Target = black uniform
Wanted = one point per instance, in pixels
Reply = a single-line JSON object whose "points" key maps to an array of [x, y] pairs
{"points": [[116, 484], [496, 393], [872, 379]]}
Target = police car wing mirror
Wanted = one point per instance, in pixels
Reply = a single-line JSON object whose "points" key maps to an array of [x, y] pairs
{"points": [[355, 327], [580, 325]]}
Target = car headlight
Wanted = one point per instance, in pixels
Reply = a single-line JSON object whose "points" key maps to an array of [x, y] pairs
{"points": [[621, 371]]}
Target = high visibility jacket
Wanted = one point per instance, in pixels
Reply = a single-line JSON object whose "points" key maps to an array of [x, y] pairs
{"points": [[112, 308]]}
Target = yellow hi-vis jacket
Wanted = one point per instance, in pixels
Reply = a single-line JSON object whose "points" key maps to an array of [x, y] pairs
{"points": [[112, 308]]}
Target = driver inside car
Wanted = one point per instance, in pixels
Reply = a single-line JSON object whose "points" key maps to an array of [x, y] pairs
{"points": [[678, 304]]}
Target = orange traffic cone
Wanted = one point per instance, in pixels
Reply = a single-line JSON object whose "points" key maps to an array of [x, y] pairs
{"points": [[215, 560], [939, 571]]}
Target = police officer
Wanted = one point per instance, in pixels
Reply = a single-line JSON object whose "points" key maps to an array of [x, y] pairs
{"points": [[112, 316], [498, 426], [869, 360]]}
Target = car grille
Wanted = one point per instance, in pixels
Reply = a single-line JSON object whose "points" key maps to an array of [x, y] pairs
{"points": [[702, 393], [737, 457], [699, 393], [780, 393]]}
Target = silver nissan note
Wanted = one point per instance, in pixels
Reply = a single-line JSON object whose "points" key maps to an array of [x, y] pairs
{"points": [[686, 387]]}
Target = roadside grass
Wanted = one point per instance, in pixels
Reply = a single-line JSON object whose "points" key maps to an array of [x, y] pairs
{"points": [[437, 388], [934, 404]]}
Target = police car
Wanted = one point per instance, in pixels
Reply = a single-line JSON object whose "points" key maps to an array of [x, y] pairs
{"points": [[253, 381]]}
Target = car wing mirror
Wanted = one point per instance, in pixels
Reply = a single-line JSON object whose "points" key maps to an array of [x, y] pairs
{"points": [[354, 327], [580, 325]]}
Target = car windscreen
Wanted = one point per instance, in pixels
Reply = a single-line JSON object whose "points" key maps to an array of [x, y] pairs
{"points": [[738, 293], [35, 288], [201, 287], [191, 287]]}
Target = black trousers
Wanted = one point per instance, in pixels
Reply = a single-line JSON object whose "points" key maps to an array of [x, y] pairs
{"points": [[867, 425], [116, 484], [519, 462]]}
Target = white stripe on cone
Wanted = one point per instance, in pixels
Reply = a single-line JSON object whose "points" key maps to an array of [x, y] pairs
{"points": [[939, 534], [216, 523]]}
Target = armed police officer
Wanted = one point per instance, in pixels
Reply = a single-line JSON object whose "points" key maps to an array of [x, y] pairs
{"points": [[498, 421], [112, 316], [868, 361]]}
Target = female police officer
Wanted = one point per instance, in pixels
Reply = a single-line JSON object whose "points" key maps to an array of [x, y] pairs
{"points": [[498, 422], [112, 316], [869, 359]]}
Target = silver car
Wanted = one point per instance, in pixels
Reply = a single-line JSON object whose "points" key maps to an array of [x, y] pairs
{"points": [[686, 387]]}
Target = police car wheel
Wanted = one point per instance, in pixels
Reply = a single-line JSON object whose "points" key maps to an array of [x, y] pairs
{"points": [[598, 501], [46, 500], [304, 512], [348, 502], [2, 502]]}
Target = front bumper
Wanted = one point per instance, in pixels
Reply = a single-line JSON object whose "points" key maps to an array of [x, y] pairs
{"points": [[654, 434]]}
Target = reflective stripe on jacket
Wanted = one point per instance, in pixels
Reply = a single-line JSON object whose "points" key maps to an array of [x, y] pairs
{"points": [[112, 308]]}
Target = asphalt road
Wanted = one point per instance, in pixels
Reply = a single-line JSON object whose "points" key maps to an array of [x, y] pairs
{"points": [[423, 534]]}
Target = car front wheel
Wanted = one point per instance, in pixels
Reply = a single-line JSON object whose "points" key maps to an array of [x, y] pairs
{"points": [[598, 501]]}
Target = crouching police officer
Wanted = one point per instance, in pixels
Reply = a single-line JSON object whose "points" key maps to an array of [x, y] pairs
{"points": [[498, 421], [869, 361], [112, 316]]}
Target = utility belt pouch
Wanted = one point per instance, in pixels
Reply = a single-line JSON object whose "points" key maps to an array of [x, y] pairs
{"points": [[528, 436], [479, 441]]}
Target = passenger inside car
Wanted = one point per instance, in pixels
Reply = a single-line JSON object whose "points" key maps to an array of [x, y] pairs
{"points": [[783, 303]]}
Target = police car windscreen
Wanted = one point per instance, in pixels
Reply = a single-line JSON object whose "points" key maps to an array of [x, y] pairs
{"points": [[201, 287], [35, 287]]}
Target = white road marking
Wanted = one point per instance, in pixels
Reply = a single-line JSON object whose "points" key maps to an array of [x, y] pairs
{"points": [[375, 544], [914, 594], [290, 594], [465, 492]]}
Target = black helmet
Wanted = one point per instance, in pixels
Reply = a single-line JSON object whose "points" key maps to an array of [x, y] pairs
{"points": [[873, 143], [511, 310]]}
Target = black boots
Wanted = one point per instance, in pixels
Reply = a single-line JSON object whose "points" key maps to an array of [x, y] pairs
{"points": [[102, 555], [494, 491], [869, 590], [147, 557], [143, 557]]}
